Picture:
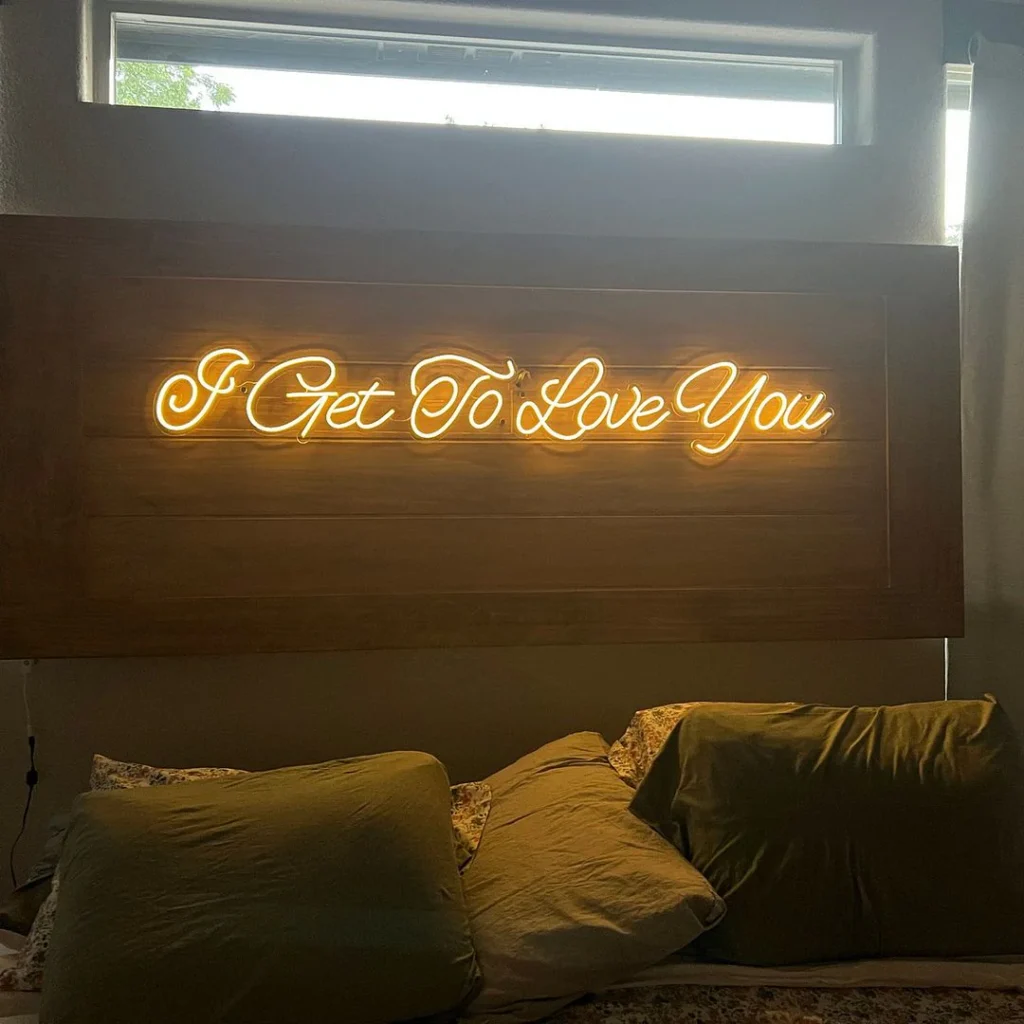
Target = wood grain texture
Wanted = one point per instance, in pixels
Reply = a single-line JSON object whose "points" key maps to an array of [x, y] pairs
{"points": [[200, 477], [119, 539], [230, 625], [40, 442], [150, 558], [360, 321]]}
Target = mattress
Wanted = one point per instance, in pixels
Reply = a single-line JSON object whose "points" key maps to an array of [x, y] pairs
{"points": [[686, 991], [992, 973]]}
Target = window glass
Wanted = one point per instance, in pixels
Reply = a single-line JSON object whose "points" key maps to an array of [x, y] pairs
{"points": [[384, 76], [958, 119]]}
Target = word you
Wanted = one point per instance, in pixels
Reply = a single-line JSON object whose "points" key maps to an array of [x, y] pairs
{"points": [[450, 393]]}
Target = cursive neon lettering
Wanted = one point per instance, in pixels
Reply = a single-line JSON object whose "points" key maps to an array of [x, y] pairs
{"points": [[804, 421], [451, 392], [559, 395], [738, 413], [742, 408], [593, 399], [632, 412], [488, 396], [779, 399], [348, 402], [179, 394], [458, 396], [318, 392], [555, 393], [373, 391], [654, 406]]}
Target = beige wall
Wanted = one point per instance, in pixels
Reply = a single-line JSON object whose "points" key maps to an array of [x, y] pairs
{"points": [[474, 708]]}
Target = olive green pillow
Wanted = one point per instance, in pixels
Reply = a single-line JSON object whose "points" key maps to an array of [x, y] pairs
{"points": [[327, 892], [568, 891], [837, 833]]}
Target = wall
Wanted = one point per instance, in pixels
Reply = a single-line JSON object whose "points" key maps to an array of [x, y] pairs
{"points": [[478, 708], [62, 157]]}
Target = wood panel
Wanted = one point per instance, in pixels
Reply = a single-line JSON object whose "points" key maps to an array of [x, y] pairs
{"points": [[359, 321], [201, 478], [118, 538], [230, 625], [40, 442], [150, 557]]}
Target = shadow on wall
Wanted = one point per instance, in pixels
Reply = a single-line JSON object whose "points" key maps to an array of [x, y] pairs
{"points": [[476, 709], [990, 658]]}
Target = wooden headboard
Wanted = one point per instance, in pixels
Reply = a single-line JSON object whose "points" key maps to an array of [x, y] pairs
{"points": [[226, 439]]}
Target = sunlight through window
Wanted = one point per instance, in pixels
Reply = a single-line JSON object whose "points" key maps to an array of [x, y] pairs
{"points": [[470, 82], [958, 119]]}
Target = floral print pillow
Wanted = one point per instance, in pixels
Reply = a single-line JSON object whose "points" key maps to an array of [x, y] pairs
{"points": [[632, 754], [110, 774], [471, 803], [27, 973]]}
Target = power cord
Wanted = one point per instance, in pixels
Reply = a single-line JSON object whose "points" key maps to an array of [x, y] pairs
{"points": [[32, 775]]}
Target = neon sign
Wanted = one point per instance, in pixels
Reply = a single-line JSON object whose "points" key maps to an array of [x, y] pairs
{"points": [[450, 394]]}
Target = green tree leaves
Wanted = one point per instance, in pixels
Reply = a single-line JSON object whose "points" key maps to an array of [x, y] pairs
{"points": [[144, 84]]}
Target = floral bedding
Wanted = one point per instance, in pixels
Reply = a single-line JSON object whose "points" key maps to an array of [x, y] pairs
{"points": [[706, 1004]]}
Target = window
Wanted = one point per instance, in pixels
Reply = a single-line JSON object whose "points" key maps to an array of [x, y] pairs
{"points": [[475, 80], [958, 119]]}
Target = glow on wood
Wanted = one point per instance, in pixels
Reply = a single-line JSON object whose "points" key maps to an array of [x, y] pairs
{"points": [[450, 392]]}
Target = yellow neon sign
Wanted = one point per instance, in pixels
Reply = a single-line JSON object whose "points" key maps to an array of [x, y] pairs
{"points": [[450, 393], [558, 395], [458, 396], [736, 416], [179, 394]]}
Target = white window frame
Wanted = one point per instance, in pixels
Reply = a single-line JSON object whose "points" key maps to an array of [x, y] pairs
{"points": [[852, 52]]}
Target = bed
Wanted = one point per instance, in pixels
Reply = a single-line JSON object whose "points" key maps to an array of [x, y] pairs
{"points": [[848, 530]]}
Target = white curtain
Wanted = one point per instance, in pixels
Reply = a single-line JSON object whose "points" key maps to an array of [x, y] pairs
{"points": [[991, 655]]}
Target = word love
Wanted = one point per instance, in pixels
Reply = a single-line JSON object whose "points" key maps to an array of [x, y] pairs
{"points": [[450, 393]]}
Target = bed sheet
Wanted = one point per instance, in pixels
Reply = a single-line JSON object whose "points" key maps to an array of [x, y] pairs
{"points": [[684, 991], [990, 973]]}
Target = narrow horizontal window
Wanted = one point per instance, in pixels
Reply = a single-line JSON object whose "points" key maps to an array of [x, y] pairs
{"points": [[498, 83]]}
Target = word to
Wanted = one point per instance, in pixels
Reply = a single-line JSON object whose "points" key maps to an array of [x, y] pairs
{"points": [[450, 393]]}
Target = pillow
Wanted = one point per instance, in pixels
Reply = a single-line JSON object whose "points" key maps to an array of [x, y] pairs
{"points": [[325, 892], [20, 909], [471, 802], [837, 833], [632, 754], [568, 891], [107, 773], [27, 974]]}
